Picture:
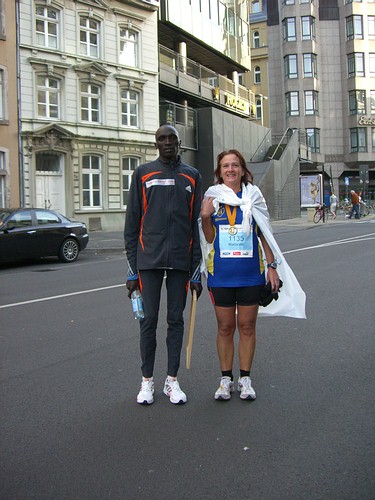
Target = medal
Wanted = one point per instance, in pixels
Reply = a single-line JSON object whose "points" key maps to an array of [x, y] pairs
{"points": [[231, 219]]}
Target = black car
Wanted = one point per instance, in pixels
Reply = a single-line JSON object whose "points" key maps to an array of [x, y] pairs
{"points": [[28, 233]]}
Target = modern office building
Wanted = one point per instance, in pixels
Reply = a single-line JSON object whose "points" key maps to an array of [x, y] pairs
{"points": [[9, 157], [322, 81], [89, 99], [204, 51]]}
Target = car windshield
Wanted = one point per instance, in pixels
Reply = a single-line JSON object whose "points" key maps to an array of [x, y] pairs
{"points": [[3, 215]]}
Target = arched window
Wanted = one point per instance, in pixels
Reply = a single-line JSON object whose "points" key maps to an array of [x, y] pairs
{"points": [[128, 47], [257, 75], [259, 109], [91, 181], [128, 165], [256, 40]]}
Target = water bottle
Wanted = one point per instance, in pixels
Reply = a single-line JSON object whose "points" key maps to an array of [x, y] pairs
{"points": [[137, 304]]}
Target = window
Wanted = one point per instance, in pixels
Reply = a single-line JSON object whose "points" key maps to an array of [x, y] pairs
{"points": [[258, 109], [288, 2], [292, 105], [356, 65], [358, 140], [48, 97], [313, 139], [372, 64], [371, 26], [2, 23], [308, 27], [257, 77], [311, 102], [289, 29], [373, 138], [128, 167], [372, 102], [255, 7], [290, 66], [91, 181], [357, 102], [128, 47], [20, 219], [354, 28], [256, 40], [90, 102], [309, 66], [129, 108], [46, 26], [89, 37], [2, 94], [2, 179], [44, 217]]}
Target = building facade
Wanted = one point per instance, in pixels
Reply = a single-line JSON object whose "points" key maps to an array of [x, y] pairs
{"points": [[322, 81], [89, 99], [257, 79], [9, 157]]}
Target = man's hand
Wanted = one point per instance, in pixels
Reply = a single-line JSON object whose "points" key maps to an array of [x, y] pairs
{"points": [[197, 287], [132, 285]]}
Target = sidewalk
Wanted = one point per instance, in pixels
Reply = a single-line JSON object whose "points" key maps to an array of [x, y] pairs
{"points": [[113, 241]]}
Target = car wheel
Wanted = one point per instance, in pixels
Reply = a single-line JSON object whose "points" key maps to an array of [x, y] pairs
{"points": [[69, 250]]}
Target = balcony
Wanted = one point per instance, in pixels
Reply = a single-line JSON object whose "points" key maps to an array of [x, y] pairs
{"points": [[200, 82], [184, 119]]}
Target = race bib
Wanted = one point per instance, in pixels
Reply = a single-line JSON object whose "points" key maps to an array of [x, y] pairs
{"points": [[234, 243]]}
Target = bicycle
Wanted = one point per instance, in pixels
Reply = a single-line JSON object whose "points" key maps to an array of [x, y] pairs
{"points": [[321, 213]]}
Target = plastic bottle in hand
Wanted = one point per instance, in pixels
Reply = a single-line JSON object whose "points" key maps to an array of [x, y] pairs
{"points": [[137, 304]]}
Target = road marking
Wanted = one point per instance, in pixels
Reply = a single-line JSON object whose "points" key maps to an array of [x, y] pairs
{"points": [[60, 296], [354, 239]]}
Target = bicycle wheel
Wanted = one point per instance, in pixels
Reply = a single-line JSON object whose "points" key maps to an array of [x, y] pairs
{"points": [[317, 216]]}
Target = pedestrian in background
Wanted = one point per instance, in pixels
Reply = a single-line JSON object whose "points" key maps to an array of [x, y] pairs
{"points": [[162, 239], [333, 204], [355, 205], [241, 255]]}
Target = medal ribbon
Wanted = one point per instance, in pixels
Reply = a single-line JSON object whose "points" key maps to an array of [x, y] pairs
{"points": [[231, 215]]}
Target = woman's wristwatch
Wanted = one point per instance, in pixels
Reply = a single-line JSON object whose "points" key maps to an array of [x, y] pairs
{"points": [[272, 264]]}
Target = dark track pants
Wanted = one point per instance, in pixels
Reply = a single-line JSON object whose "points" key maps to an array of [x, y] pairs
{"points": [[151, 283]]}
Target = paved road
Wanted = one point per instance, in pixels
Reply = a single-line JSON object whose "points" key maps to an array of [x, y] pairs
{"points": [[70, 427]]}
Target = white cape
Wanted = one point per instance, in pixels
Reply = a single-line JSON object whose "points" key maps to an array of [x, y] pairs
{"points": [[292, 299]]}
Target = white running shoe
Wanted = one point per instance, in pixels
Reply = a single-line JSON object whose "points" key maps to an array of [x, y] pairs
{"points": [[225, 389], [146, 394], [173, 391], [245, 388]]}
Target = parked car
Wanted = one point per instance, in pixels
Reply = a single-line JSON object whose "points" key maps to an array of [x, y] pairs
{"points": [[28, 233]]}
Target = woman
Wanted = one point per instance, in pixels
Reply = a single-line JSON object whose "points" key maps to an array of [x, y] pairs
{"points": [[231, 214]]}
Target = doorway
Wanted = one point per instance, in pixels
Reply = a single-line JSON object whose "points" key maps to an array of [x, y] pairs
{"points": [[49, 181]]}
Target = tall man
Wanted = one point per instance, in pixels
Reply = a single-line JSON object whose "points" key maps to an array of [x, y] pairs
{"points": [[162, 238]]}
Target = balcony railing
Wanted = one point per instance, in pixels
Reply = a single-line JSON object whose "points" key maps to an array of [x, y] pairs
{"points": [[185, 74], [185, 121]]}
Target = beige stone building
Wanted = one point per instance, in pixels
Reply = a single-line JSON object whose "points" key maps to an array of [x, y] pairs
{"points": [[9, 159], [89, 99], [257, 79]]}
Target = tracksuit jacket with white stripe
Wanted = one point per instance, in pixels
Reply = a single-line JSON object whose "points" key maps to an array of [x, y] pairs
{"points": [[161, 228]]}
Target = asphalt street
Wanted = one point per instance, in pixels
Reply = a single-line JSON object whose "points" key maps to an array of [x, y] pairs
{"points": [[70, 427]]}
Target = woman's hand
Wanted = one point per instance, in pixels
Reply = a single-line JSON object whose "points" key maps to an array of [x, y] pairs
{"points": [[273, 278], [207, 208]]}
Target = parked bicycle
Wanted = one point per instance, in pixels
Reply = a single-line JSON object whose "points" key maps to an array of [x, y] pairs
{"points": [[322, 213]]}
